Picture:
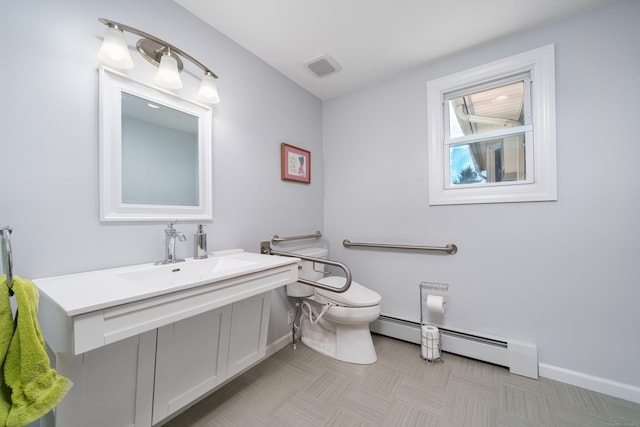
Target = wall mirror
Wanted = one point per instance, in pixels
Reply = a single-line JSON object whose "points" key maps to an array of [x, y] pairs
{"points": [[155, 153]]}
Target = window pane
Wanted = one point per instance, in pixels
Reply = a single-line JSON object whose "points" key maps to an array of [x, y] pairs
{"points": [[487, 110], [488, 161]]}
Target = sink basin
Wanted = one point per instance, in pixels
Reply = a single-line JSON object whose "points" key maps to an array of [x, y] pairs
{"points": [[192, 270], [101, 307], [224, 271]]}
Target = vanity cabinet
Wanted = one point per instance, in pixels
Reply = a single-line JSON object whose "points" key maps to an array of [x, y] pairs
{"points": [[112, 385], [196, 355], [140, 381], [139, 358], [190, 360], [248, 344]]}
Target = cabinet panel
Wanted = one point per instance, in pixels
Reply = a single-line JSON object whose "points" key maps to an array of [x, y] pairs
{"points": [[248, 340], [190, 361], [112, 385], [102, 327]]}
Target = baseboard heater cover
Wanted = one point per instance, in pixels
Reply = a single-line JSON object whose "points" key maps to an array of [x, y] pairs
{"points": [[520, 357]]}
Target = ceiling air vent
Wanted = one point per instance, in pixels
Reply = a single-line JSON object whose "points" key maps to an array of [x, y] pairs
{"points": [[322, 66]]}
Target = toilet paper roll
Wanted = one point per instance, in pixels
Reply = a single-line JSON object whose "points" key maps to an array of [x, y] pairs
{"points": [[430, 342], [430, 353], [435, 303], [430, 336], [430, 329]]}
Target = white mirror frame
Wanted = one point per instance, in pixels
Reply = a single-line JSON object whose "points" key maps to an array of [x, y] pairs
{"points": [[112, 84]]}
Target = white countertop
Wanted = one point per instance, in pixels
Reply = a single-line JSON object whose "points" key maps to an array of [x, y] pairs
{"points": [[85, 292]]}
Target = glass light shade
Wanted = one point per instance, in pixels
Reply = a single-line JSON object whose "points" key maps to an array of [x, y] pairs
{"points": [[168, 75], [114, 50], [208, 92]]}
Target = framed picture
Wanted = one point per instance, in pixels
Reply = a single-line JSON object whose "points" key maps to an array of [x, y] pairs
{"points": [[295, 164]]}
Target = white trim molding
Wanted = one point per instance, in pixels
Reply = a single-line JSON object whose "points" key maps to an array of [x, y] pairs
{"points": [[540, 63], [591, 382]]}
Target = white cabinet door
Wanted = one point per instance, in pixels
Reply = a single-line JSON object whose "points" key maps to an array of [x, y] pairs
{"points": [[112, 385], [248, 340], [191, 360], [197, 354]]}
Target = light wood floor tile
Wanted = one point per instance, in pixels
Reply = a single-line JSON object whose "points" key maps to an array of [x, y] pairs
{"points": [[528, 406], [431, 377], [623, 410], [303, 388], [402, 414], [328, 387], [571, 417], [346, 419], [465, 411], [304, 410], [432, 401], [299, 372], [508, 420], [366, 405], [580, 399], [349, 370], [474, 387], [381, 380]]}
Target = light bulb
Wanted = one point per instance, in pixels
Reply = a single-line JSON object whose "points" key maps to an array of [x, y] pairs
{"points": [[114, 50], [168, 75], [208, 92]]}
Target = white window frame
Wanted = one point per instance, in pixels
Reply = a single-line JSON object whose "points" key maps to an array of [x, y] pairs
{"points": [[542, 184]]}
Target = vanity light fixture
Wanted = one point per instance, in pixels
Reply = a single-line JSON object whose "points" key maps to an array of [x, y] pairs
{"points": [[115, 52], [168, 75], [208, 91]]}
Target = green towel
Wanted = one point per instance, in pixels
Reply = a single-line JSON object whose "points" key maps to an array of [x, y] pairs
{"points": [[6, 332], [36, 388]]}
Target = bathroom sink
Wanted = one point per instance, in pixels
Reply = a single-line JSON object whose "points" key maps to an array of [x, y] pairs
{"points": [[80, 293], [192, 270], [101, 307]]}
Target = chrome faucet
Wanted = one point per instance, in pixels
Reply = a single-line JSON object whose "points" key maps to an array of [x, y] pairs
{"points": [[170, 235]]}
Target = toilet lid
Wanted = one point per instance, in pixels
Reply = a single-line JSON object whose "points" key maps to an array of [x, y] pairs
{"points": [[356, 296]]}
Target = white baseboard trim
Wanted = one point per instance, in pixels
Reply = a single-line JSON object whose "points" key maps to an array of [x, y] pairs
{"points": [[277, 345], [591, 382]]}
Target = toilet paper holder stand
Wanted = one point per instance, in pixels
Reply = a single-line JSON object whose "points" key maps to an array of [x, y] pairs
{"points": [[429, 340]]}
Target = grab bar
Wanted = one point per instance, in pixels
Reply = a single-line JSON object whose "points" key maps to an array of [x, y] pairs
{"points": [[451, 249], [277, 239], [265, 248], [7, 257]]}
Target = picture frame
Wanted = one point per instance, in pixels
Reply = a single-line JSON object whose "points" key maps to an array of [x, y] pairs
{"points": [[295, 164]]}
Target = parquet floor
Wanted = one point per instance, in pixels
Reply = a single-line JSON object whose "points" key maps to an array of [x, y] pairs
{"points": [[303, 388]]}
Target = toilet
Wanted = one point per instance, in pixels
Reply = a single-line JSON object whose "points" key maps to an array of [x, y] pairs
{"points": [[335, 324]]}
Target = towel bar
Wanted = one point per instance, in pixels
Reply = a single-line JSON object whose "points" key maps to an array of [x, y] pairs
{"points": [[7, 261]]}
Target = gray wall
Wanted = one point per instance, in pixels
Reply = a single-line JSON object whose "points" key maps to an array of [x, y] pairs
{"points": [[563, 274], [49, 144]]}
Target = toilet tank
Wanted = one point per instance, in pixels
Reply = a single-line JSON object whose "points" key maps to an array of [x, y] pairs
{"points": [[307, 270]]}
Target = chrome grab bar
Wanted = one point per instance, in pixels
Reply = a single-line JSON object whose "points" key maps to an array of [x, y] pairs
{"points": [[451, 249], [265, 248], [7, 257], [277, 239]]}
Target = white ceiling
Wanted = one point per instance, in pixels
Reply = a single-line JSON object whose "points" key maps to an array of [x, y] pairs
{"points": [[370, 39]]}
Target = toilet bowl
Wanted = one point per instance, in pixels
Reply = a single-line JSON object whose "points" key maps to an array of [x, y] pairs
{"points": [[335, 324]]}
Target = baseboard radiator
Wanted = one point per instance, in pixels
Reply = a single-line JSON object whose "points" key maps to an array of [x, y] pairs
{"points": [[520, 357]]}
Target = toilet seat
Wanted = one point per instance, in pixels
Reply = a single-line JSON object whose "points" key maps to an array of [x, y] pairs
{"points": [[356, 296]]}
